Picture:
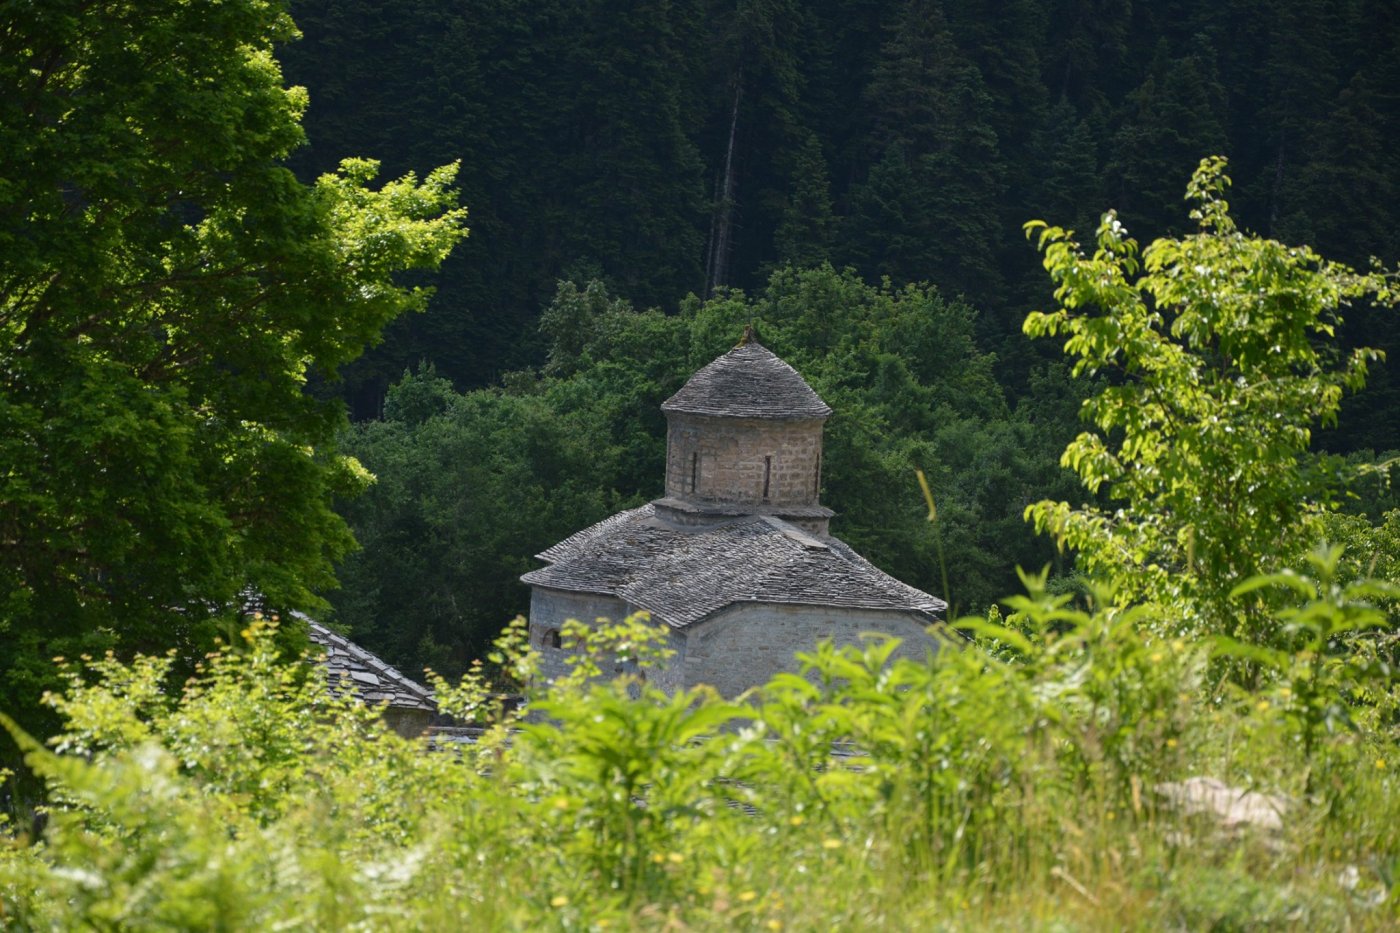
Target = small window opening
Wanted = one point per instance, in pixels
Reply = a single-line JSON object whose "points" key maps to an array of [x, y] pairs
{"points": [[767, 475], [552, 638], [694, 471], [817, 479]]}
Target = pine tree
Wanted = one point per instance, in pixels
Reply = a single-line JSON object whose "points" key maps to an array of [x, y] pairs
{"points": [[928, 209], [1173, 120], [807, 226]]}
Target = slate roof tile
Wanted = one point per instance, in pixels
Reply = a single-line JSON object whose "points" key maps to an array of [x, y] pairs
{"points": [[748, 382], [683, 575], [367, 675]]}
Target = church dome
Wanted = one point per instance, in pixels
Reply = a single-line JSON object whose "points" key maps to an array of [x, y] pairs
{"points": [[749, 381]]}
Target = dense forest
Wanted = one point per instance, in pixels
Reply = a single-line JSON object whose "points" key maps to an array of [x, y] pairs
{"points": [[674, 148], [681, 156]]}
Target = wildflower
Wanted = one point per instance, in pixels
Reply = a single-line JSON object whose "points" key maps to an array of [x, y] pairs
{"points": [[658, 858], [561, 803], [1171, 743], [831, 843], [797, 820], [747, 896], [559, 900], [1262, 705], [775, 924], [1380, 764], [675, 858]]}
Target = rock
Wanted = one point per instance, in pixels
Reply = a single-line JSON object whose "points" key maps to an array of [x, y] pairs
{"points": [[1234, 808]]}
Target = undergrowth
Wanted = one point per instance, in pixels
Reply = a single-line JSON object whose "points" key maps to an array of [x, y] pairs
{"points": [[1017, 787]]}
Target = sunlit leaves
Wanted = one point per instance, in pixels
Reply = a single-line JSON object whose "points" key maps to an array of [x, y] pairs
{"points": [[1216, 365]]}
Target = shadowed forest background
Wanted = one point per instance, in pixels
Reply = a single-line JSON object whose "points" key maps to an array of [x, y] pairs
{"points": [[705, 160]]}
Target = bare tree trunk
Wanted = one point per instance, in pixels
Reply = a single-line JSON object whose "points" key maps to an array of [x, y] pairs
{"points": [[722, 225]]}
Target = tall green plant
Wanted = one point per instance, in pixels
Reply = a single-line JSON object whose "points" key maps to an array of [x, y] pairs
{"points": [[1214, 368]]}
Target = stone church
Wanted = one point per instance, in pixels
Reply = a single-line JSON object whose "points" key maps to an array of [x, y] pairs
{"points": [[735, 560]]}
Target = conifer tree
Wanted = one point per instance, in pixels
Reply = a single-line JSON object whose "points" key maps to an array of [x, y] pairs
{"points": [[922, 214]]}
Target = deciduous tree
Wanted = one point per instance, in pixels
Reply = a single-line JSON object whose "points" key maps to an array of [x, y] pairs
{"points": [[166, 287], [1215, 375]]}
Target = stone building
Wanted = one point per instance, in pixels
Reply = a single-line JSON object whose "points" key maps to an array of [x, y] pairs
{"points": [[736, 559]]}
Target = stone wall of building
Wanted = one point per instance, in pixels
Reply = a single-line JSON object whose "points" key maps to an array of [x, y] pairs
{"points": [[550, 609], [747, 644], [736, 459], [409, 723]]}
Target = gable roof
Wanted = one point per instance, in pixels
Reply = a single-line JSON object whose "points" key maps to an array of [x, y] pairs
{"points": [[683, 575], [370, 678], [749, 381]]}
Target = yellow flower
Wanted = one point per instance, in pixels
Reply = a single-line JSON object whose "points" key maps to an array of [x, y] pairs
{"points": [[797, 820], [831, 843], [658, 858], [1380, 764], [1262, 705], [747, 896], [1171, 743], [675, 858], [561, 803], [559, 900], [775, 924]]}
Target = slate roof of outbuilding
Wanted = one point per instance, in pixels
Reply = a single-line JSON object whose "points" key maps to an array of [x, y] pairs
{"points": [[373, 680], [683, 575], [749, 381]]}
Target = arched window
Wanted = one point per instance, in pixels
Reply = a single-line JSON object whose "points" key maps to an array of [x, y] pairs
{"points": [[551, 639]]}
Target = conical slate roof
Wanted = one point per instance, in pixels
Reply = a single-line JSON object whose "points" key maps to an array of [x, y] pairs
{"points": [[748, 382]]}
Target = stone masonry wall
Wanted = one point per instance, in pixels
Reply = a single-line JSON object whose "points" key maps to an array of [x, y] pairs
{"points": [[549, 609], [731, 461], [747, 644]]}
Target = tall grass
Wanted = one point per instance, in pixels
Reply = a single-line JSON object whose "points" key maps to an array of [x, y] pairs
{"points": [[1010, 783]]}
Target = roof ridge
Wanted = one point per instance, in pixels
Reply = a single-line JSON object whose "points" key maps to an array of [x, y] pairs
{"points": [[320, 634]]}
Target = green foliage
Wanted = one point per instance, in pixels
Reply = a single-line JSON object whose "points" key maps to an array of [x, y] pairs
{"points": [[166, 288], [469, 488], [1321, 667], [904, 137], [964, 791], [1216, 375]]}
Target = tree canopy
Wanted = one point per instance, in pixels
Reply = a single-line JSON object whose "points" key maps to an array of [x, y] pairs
{"points": [[167, 286], [670, 148]]}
